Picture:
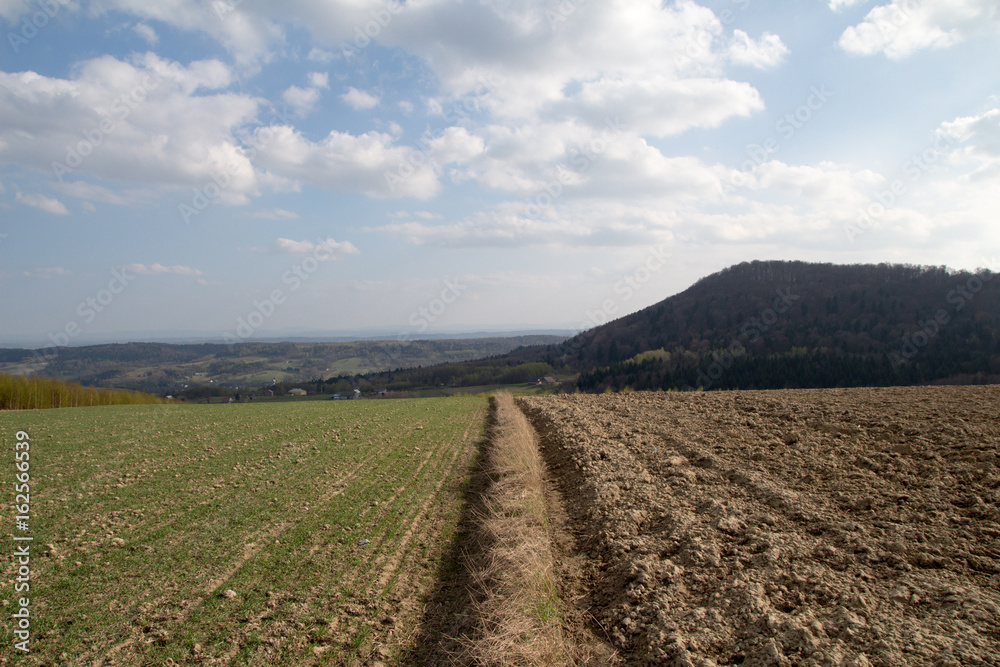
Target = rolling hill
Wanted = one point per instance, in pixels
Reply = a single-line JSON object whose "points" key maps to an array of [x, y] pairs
{"points": [[771, 325]]}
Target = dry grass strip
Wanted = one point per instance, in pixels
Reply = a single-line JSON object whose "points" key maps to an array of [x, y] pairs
{"points": [[517, 605]]}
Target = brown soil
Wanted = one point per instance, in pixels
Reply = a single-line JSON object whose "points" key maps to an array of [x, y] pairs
{"points": [[833, 527]]}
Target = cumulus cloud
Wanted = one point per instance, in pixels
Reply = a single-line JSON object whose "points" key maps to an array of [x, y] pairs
{"points": [[837, 5], [663, 106], [12, 10], [250, 36], [330, 246], [147, 121], [301, 99], [319, 80], [521, 65], [41, 202], [161, 270], [903, 27], [368, 163], [359, 100], [980, 136], [669, 198], [575, 160], [147, 33], [768, 52], [319, 55]]}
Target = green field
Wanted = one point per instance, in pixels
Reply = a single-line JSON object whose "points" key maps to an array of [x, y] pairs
{"points": [[236, 533]]}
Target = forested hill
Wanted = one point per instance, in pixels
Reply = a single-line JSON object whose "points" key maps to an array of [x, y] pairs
{"points": [[794, 324]]}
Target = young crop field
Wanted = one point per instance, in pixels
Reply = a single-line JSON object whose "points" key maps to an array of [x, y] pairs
{"points": [[821, 528], [302, 534]]}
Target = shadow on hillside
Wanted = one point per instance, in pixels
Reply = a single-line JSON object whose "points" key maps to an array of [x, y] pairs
{"points": [[449, 617]]}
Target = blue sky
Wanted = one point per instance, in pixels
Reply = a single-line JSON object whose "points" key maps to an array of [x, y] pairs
{"points": [[246, 169]]}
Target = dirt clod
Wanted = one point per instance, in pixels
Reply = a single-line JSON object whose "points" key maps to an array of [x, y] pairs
{"points": [[832, 528]]}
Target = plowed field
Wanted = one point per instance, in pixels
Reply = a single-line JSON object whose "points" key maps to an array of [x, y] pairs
{"points": [[832, 527]]}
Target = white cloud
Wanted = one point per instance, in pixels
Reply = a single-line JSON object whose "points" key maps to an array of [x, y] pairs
{"points": [[512, 63], [147, 33], [981, 138], [837, 5], [301, 99], [596, 223], [41, 202], [637, 195], [982, 132], [359, 99], [161, 270], [277, 214], [12, 10], [578, 162], [768, 52], [249, 36], [319, 80], [336, 248], [347, 163], [92, 192], [903, 27], [88, 207], [47, 273], [826, 184], [319, 55], [148, 121], [663, 106]]}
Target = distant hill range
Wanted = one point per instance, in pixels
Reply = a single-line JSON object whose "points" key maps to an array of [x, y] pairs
{"points": [[772, 325], [194, 369]]}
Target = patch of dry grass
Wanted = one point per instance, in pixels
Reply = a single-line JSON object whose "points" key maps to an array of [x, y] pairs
{"points": [[518, 605]]}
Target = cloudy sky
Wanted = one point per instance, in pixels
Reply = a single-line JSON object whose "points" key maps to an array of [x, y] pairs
{"points": [[251, 168]]}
